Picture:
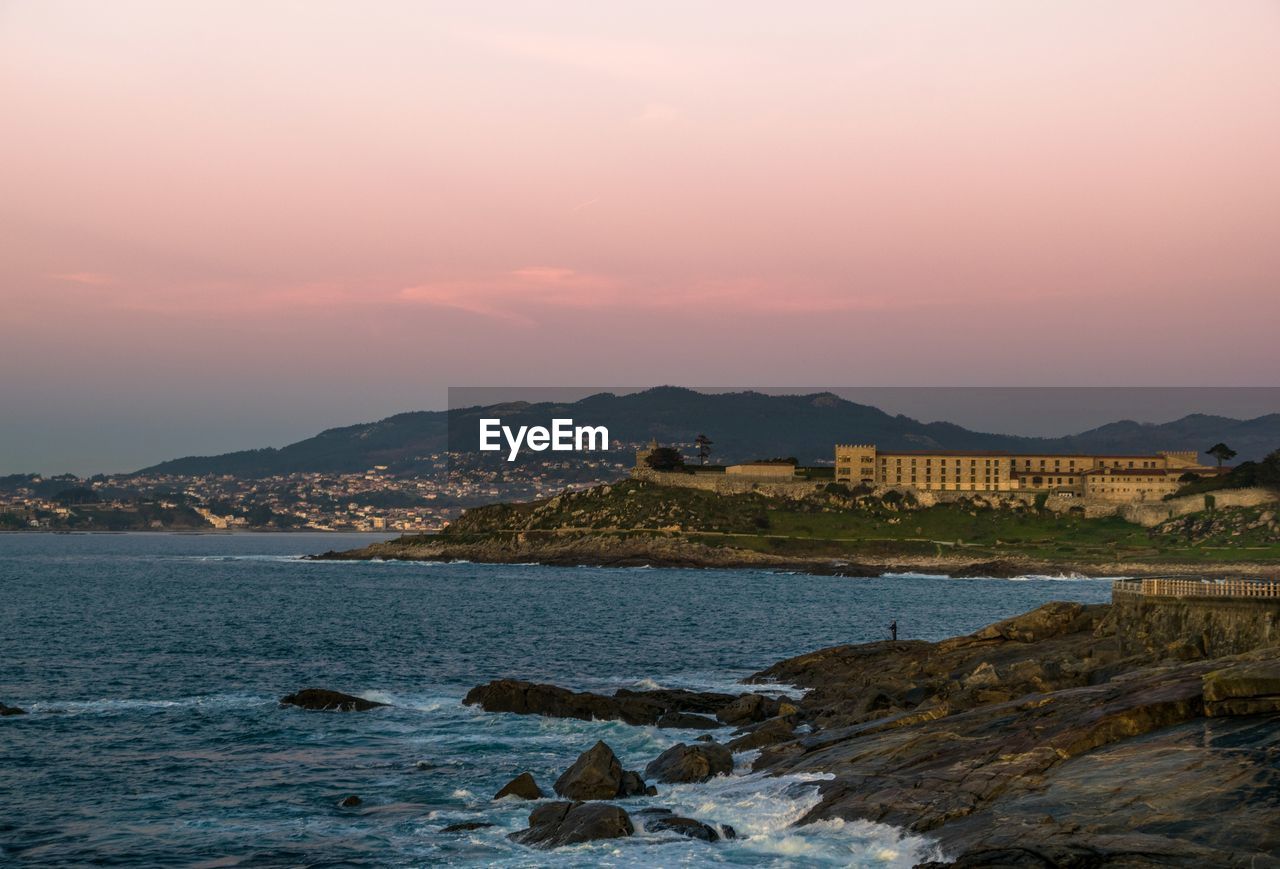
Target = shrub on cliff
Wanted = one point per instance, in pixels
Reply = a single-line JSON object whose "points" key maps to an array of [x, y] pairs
{"points": [[665, 459], [1265, 473]]}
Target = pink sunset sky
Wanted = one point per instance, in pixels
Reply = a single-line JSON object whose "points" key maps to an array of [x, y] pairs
{"points": [[230, 224]]}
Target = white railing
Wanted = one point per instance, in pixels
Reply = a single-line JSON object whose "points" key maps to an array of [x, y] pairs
{"points": [[1269, 588]]}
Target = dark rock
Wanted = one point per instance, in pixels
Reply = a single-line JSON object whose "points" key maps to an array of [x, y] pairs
{"points": [[11, 710], [591, 821], [678, 699], [749, 708], [1037, 741], [691, 763], [1056, 646], [597, 775], [915, 696], [633, 785], [728, 832], [654, 810], [996, 569], [1245, 688], [465, 826], [324, 700], [633, 707], [770, 732], [1041, 623], [567, 823], [350, 802], [522, 786], [682, 826], [551, 813], [688, 721]]}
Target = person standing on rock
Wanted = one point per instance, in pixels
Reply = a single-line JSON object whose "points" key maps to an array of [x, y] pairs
{"points": [[893, 630]]}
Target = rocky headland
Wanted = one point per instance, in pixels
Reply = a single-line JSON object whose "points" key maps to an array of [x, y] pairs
{"points": [[839, 532], [1032, 742]]}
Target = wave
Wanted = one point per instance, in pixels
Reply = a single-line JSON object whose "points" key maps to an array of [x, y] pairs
{"points": [[763, 811], [716, 681], [914, 575], [116, 706], [1070, 576]]}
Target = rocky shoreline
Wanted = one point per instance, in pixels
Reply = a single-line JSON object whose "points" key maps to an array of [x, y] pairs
{"points": [[595, 550], [1032, 742]]}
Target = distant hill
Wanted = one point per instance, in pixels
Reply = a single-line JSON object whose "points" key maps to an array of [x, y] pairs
{"points": [[744, 425]]}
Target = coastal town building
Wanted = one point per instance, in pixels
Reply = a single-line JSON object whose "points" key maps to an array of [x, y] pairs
{"points": [[1105, 477]]}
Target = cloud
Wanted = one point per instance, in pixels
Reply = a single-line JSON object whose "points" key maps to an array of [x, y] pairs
{"points": [[509, 296], [526, 295], [463, 296]]}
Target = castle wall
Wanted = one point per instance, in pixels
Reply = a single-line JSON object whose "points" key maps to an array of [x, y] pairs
{"points": [[772, 473], [724, 484], [1150, 514]]}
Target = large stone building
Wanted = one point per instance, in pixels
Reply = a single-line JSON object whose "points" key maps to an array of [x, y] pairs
{"points": [[1113, 478]]}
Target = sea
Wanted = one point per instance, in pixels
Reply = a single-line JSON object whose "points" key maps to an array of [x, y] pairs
{"points": [[151, 666]]}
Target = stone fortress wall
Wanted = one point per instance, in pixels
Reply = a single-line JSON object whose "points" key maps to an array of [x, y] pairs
{"points": [[732, 484], [1182, 617], [1149, 514]]}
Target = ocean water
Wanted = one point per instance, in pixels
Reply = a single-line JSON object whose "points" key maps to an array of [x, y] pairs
{"points": [[152, 664]]}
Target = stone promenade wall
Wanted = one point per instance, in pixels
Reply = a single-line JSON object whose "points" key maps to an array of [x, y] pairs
{"points": [[1213, 626]]}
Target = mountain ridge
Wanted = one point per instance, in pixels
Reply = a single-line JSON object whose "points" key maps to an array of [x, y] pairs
{"points": [[744, 425]]}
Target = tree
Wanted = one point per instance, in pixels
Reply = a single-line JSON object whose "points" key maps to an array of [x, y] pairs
{"points": [[665, 459], [1222, 453], [703, 443]]}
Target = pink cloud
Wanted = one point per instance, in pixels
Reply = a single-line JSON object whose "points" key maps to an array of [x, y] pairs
{"points": [[526, 294]]}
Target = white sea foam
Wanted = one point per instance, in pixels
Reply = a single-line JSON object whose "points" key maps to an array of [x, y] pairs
{"points": [[761, 809], [1063, 577], [99, 707], [646, 685]]}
